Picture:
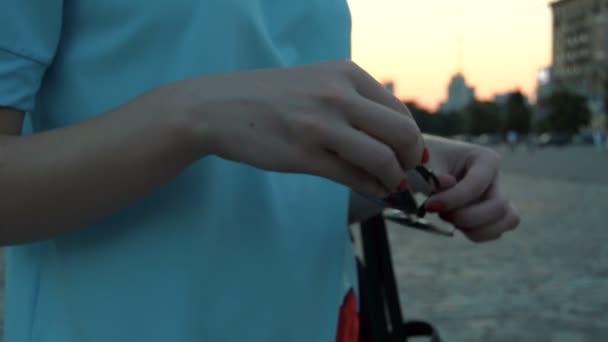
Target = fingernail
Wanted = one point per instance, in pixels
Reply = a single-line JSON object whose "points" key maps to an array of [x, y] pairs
{"points": [[436, 206], [403, 186], [425, 156]]}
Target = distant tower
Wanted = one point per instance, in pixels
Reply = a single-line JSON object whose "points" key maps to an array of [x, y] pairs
{"points": [[460, 94], [460, 57]]}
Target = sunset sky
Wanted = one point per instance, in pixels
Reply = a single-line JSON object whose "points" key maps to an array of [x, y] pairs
{"points": [[415, 43]]}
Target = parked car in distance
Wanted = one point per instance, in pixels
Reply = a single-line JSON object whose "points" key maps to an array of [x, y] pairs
{"points": [[462, 137], [554, 139], [583, 139], [488, 140]]}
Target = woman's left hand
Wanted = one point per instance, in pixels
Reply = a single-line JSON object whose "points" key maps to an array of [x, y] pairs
{"points": [[471, 197]]}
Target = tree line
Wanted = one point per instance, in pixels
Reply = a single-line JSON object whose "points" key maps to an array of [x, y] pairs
{"points": [[561, 112]]}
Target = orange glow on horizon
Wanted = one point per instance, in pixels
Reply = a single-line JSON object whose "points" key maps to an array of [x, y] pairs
{"points": [[416, 44]]}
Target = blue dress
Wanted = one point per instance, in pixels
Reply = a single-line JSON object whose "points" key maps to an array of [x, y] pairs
{"points": [[225, 251]]}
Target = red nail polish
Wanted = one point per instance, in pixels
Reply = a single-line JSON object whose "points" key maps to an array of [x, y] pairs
{"points": [[425, 156], [404, 185], [436, 206]]}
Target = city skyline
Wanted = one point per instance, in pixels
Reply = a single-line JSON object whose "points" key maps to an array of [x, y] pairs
{"points": [[418, 44]]}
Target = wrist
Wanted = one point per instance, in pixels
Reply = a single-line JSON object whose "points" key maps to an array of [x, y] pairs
{"points": [[186, 126]]}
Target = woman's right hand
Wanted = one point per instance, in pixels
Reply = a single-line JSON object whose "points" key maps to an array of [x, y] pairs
{"points": [[331, 120]]}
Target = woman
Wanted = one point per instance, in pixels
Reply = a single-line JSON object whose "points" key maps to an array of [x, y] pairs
{"points": [[189, 173]]}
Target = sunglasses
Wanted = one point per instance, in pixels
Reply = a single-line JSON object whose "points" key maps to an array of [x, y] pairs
{"points": [[403, 209]]}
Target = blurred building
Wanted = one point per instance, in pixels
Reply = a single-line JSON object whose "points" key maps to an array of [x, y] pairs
{"points": [[501, 99], [544, 83], [580, 49], [544, 89], [460, 95]]}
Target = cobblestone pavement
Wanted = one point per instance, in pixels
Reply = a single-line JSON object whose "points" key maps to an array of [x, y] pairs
{"points": [[547, 281]]}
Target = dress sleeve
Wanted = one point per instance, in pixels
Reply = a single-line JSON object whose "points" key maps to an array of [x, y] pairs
{"points": [[30, 31]]}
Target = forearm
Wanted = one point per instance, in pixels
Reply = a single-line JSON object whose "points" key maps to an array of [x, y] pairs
{"points": [[59, 180]]}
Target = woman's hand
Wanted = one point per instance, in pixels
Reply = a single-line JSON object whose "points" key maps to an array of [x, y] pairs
{"points": [[471, 197], [331, 120]]}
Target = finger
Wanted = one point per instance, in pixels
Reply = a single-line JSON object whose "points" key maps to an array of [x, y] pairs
{"points": [[446, 181], [481, 174], [400, 133], [491, 209], [368, 87], [329, 165], [362, 151], [495, 230]]}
